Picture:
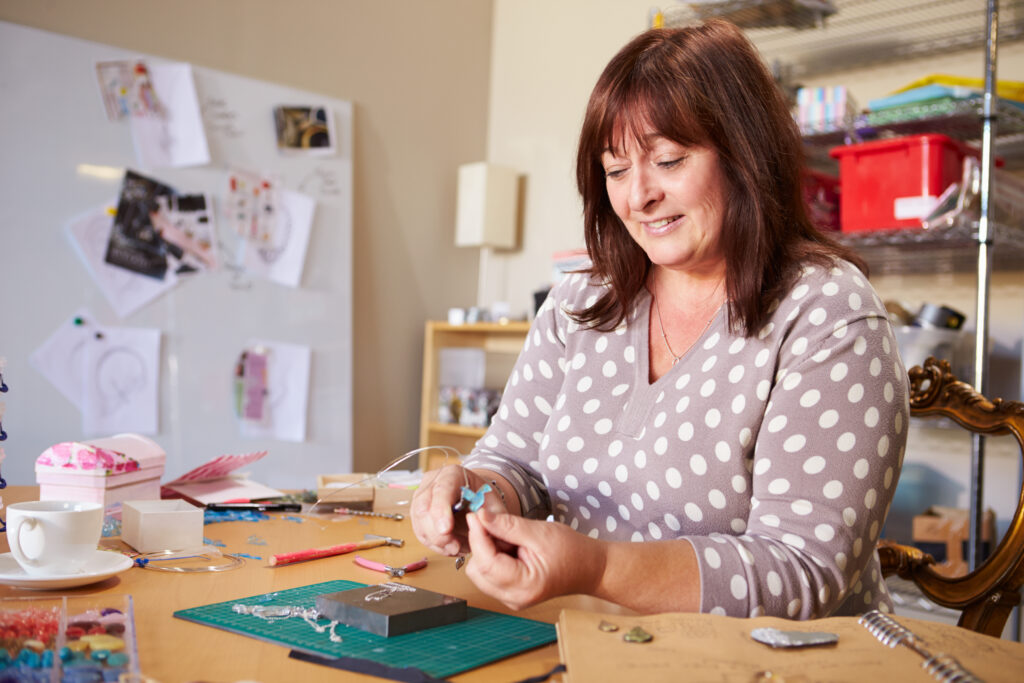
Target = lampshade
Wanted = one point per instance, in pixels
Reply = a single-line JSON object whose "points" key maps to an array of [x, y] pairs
{"points": [[486, 207]]}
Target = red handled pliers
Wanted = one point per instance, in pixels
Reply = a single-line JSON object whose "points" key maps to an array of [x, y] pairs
{"points": [[393, 572]]}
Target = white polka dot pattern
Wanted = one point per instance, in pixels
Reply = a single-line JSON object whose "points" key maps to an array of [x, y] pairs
{"points": [[774, 456]]}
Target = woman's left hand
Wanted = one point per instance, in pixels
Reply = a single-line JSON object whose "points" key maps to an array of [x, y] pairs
{"points": [[548, 559]]}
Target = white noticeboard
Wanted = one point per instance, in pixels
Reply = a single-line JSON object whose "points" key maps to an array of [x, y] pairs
{"points": [[54, 134]]}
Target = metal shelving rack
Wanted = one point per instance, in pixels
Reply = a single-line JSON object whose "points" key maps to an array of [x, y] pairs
{"points": [[799, 39]]}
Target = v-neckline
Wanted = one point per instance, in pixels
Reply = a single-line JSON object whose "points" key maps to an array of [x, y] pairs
{"points": [[642, 341]]}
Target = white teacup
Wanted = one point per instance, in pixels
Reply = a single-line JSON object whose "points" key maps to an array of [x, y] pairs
{"points": [[54, 537]]}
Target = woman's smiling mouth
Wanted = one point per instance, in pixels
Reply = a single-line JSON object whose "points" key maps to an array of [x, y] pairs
{"points": [[661, 225]]}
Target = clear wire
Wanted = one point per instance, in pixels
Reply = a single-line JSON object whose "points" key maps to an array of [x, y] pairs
{"points": [[449, 451], [205, 559]]}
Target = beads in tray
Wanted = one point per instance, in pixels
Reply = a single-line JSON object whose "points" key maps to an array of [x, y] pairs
{"points": [[70, 639], [94, 647], [27, 640]]}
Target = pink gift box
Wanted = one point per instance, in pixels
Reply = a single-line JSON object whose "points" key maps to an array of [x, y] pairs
{"points": [[110, 470]]}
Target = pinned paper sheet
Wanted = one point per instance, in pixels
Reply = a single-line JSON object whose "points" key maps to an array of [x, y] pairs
{"points": [[213, 482], [175, 137], [281, 259], [287, 387], [61, 358], [122, 374], [111, 374], [125, 291]]}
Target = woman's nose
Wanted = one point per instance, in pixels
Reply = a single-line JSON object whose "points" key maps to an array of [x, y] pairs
{"points": [[644, 190]]}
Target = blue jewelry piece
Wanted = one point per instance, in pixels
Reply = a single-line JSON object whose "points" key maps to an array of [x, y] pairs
{"points": [[475, 499]]}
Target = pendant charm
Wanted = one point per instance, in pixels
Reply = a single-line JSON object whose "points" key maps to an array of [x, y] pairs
{"points": [[637, 635], [607, 626]]}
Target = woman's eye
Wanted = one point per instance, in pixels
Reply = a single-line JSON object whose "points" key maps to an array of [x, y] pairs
{"points": [[672, 163], [614, 173]]}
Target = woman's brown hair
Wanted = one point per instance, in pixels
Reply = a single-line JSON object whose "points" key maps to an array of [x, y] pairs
{"points": [[703, 85]]}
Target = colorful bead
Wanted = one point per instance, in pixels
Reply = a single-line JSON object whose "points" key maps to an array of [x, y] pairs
{"points": [[117, 659], [103, 642], [115, 629]]}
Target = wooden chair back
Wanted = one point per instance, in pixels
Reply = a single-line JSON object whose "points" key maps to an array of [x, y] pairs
{"points": [[985, 596]]}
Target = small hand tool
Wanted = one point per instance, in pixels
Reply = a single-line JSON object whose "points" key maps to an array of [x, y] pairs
{"points": [[258, 507], [370, 541], [393, 572], [398, 517]]}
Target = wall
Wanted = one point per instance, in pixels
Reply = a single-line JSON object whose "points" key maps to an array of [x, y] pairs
{"points": [[418, 76], [546, 58]]}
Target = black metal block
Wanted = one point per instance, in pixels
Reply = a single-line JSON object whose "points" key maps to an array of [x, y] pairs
{"points": [[404, 610]]}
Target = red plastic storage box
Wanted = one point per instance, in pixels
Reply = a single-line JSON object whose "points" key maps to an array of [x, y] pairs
{"points": [[821, 192], [894, 183]]}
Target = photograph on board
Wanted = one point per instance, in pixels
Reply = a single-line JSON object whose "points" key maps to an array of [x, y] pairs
{"points": [[135, 243], [304, 130]]}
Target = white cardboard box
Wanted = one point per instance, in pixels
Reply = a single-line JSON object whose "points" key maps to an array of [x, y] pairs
{"points": [[153, 525]]}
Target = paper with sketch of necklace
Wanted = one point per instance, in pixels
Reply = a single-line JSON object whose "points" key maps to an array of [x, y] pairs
{"points": [[126, 291], [61, 357], [281, 258], [288, 368], [122, 373], [175, 136]]}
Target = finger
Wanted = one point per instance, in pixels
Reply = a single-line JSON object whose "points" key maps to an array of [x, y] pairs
{"points": [[493, 572], [432, 517], [445, 492], [503, 528], [486, 516], [480, 542]]}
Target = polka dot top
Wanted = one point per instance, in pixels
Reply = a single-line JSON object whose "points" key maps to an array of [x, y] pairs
{"points": [[775, 456]]}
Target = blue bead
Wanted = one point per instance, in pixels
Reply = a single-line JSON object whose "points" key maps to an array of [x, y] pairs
{"points": [[78, 675], [100, 655], [117, 659]]}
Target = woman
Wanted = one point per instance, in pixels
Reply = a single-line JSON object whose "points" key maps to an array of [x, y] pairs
{"points": [[716, 411]]}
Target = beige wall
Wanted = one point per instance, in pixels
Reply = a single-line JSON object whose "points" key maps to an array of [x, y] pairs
{"points": [[417, 73]]}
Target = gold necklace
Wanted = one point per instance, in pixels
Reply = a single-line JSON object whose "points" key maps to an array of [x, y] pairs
{"points": [[664, 337]]}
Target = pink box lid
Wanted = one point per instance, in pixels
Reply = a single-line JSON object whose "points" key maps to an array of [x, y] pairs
{"points": [[111, 456]]}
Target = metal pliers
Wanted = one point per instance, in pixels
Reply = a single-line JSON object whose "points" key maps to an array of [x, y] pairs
{"points": [[393, 572]]}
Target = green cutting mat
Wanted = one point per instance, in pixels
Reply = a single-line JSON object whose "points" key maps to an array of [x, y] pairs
{"points": [[442, 651]]}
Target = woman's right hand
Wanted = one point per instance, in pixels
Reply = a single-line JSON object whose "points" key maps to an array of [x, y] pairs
{"points": [[433, 521]]}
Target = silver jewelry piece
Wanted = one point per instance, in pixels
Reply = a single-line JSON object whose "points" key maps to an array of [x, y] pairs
{"points": [[664, 337], [272, 613], [387, 590]]}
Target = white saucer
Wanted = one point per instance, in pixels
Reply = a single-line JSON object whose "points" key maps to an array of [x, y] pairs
{"points": [[103, 565]]}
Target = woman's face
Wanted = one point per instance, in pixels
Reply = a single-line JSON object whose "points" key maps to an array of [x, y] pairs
{"points": [[670, 198]]}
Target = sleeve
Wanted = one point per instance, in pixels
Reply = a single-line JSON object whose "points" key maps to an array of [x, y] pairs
{"points": [[825, 465], [511, 444]]}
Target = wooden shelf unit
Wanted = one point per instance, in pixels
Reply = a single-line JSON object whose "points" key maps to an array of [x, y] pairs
{"points": [[500, 341]]}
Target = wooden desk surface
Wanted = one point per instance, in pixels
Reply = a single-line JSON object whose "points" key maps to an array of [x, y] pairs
{"points": [[173, 650]]}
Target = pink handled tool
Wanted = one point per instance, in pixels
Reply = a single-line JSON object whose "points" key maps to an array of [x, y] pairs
{"points": [[393, 572]]}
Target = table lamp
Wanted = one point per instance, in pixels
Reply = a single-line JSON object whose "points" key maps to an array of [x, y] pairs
{"points": [[486, 213]]}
